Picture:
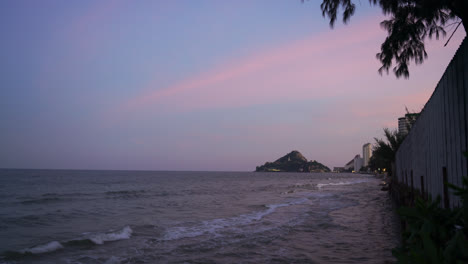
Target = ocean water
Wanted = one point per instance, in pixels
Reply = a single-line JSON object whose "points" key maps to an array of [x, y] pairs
{"points": [[55, 216]]}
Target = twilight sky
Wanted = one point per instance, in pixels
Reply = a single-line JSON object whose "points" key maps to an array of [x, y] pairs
{"points": [[195, 85]]}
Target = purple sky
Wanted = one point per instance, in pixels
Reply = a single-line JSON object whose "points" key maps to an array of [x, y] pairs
{"points": [[195, 85]]}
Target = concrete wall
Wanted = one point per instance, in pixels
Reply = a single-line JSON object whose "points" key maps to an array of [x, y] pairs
{"points": [[435, 145]]}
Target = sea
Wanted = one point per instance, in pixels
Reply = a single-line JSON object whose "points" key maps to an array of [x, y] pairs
{"points": [[78, 216]]}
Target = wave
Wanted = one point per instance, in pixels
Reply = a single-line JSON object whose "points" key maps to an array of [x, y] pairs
{"points": [[40, 249], [49, 198], [50, 194], [307, 186], [41, 200], [113, 260], [299, 186], [40, 219], [125, 194], [94, 239], [100, 238], [49, 247], [302, 185], [73, 194], [321, 185], [26, 220], [212, 227], [125, 233]]}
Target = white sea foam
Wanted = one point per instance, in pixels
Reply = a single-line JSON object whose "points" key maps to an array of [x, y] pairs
{"points": [[301, 185], [112, 260], [321, 185], [215, 225], [99, 239], [49, 247], [298, 187]]}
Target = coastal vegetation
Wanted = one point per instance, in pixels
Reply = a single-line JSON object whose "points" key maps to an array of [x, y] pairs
{"points": [[409, 24], [432, 234], [293, 162], [384, 150]]}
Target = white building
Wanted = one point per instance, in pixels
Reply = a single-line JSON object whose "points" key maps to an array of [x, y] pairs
{"points": [[349, 165], [358, 162], [366, 153]]}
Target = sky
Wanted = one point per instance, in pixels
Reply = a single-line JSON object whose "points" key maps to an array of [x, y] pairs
{"points": [[196, 85]]}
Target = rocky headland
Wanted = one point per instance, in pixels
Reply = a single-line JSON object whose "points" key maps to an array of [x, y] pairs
{"points": [[293, 162]]}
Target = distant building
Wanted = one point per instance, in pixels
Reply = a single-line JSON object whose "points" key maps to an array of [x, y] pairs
{"points": [[402, 126], [366, 153], [405, 123], [338, 169], [354, 164], [349, 165], [358, 162]]}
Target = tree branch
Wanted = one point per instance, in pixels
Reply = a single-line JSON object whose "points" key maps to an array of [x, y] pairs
{"points": [[452, 34]]}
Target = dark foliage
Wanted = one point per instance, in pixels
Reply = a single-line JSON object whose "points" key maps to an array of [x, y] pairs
{"points": [[410, 23], [384, 151], [433, 234]]}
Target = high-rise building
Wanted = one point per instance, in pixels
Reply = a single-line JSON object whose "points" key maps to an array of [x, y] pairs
{"points": [[402, 126], [366, 153], [405, 123]]}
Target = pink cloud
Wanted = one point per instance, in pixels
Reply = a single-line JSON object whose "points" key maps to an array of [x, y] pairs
{"points": [[393, 104], [298, 70], [335, 64]]}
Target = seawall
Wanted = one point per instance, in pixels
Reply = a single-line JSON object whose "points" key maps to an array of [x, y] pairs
{"points": [[432, 152]]}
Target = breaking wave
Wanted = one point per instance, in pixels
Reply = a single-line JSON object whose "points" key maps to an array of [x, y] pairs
{"points": [[40, 249], [94, 239], [321, 185], [125, 233], [211, 227]]}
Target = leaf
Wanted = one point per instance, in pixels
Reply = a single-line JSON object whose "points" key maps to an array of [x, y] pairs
{"points": [[430, 249]]}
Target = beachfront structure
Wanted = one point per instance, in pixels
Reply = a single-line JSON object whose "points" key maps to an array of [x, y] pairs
{"points": [[432, 152], [349, 165], [355, 164], [402, 126], [405, 123], [358, 162], [338, 169], [366, 153]]}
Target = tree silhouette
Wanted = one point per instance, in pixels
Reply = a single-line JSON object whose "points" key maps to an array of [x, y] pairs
{"points": [[384, 151], [410, 23]]}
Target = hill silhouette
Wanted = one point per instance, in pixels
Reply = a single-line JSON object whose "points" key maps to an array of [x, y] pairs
{"points": [[293, 162]]}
